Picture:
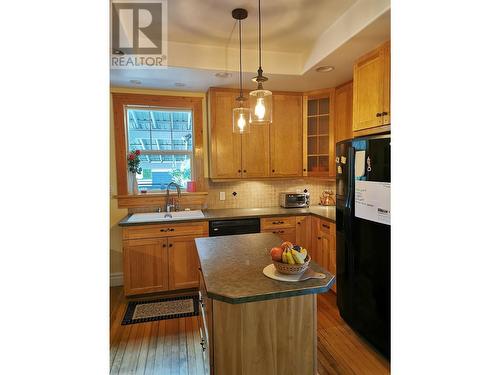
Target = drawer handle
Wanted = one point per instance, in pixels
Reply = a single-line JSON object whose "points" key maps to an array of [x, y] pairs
{"points": [[278, 231], [384, 113], [278, 222], [379, 114], [325, 226], [167, 230], [202, 343]]}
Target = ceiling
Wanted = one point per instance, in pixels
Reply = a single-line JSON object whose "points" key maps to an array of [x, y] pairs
{"points": [[298, 36]]}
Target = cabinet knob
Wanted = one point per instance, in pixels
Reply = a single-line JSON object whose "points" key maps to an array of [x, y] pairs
{"points": [[239, 170], [319, 238], [273, 170], [164, 245], [244, 171], [170, 245], [304, 169]]}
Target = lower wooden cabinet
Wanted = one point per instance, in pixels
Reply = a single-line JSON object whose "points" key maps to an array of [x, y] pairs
{"points": [[284, 227], [163, 263], [145, 265], [183, 263], [303, 231], [323, 245]]}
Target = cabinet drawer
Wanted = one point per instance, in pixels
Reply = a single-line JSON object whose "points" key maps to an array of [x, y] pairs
{"points": [[165, 230], [286, 234], [277, 222], [326, 227]]}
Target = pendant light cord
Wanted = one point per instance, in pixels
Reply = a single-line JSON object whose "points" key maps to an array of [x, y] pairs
{"points": [[260, 42], [241, 87]]}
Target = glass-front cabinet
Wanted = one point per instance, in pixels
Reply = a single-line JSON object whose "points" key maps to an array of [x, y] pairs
{"points": [[319, 145]]}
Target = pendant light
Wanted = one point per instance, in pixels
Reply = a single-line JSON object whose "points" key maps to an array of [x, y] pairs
{"points": [[261, 101], [241, 115]]}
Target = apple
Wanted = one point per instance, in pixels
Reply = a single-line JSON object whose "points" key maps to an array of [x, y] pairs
{"points": [[286, 245], [276, 253]]}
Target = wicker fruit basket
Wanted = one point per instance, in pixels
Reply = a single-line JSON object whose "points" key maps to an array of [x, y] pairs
{"points": [[292, 269]]}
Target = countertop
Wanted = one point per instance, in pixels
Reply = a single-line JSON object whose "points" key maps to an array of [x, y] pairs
{"points": [[232, 270], [323, 212]]}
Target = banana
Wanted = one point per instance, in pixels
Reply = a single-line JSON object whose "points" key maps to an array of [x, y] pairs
{"points": [[297, 257], [289, 257], [303, 251], [283, 257]]}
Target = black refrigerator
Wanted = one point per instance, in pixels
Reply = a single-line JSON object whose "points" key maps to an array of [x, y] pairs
{"points": [[363, 280]]}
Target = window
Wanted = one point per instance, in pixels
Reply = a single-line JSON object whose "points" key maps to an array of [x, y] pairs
{"points": [[165, 138]]}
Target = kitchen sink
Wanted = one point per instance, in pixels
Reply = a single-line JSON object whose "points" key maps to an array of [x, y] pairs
{"points": [[165, 216]]}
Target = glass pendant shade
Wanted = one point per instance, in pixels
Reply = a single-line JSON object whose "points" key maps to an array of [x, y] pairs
{"points": [[261, 105], [241, 120]]}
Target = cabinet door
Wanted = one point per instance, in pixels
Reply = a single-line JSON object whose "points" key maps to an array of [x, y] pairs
{"points": [[386, 119], [145, 266], [225, 147], [303, 231], [183, 263], [368, 90], [343, 112], [325, 245], [255, 152], [314, 250], [286, 136]]}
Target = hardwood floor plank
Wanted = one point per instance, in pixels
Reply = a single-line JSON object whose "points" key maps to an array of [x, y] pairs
{"points": [[159, 366], [131, 355], [122, 344], [150, 361], [144, 350], [183, 365]]}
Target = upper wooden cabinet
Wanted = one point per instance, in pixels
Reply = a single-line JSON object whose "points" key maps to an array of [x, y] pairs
{"points": [[225, 147], [270, 150], [371, 89], [343, 112], [286, 136], [255, 152], [319, 135]]}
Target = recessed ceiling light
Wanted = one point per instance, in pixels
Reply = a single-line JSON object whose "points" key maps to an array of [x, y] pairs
{"points": [[135, 81], [179, 84], [223, 74], [325, 69]]}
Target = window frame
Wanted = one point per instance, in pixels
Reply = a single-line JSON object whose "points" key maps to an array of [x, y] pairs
{"points": [[123, 100], [190, 153]]}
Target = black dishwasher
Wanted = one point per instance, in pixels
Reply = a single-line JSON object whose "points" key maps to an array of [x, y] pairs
{"points": [[234, 226]]}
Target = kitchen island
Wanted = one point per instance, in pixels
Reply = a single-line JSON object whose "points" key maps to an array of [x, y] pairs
{"points": [[253, 324]]}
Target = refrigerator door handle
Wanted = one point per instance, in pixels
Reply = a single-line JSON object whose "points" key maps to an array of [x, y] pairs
{"points": [[348, 205]]}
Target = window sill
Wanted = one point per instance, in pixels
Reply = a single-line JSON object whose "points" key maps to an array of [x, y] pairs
{"points": [[158, 199]]}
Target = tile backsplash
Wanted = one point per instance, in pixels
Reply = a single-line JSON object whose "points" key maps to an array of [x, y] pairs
{"points": [[262, 193]]}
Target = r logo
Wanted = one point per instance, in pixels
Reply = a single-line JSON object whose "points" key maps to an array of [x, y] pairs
{"points": [[137, 28]]}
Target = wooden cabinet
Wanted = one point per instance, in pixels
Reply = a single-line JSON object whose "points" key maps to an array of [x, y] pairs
{"points": [[318, 133], [286, 136], [323, 245], [166, 260], [206, 324], [145, 267], [343, 112], [371, 89], [225, 147], [303, 231], [255, 152], [183, 263], [284, 227], [270, 150]]}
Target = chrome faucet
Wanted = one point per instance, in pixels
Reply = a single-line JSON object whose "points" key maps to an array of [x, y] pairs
{"points": [[173, 203]]}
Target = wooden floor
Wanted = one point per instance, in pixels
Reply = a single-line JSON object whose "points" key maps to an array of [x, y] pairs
{"points": [[173, 346]]}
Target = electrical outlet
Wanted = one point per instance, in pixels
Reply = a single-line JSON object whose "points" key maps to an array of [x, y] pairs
{"points": [[222, 196]]}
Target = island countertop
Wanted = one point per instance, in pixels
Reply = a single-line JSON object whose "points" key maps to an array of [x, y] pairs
{"points": [[232, 270]]}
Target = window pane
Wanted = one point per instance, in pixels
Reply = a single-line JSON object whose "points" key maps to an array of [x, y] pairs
{"points": [[157, 129], [159, 170]]}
